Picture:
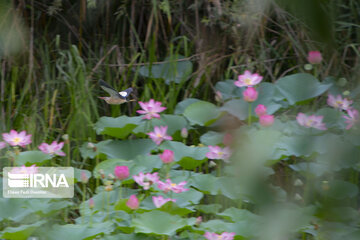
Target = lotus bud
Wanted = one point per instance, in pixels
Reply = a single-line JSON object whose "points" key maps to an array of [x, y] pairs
{"points": [[133, 202], [184, 133], [298, 183], [91, 203], [84, 177]]}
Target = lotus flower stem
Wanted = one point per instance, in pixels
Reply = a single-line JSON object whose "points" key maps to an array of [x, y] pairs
{"points": [[168, 167], [97, 163], [218, 172], [91, 217], [83, 200], [68, 152], [120, 188], [249, 116], [103, 201], [108, 205]]}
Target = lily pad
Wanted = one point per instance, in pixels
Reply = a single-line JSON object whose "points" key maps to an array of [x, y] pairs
{"points": [[172, 70], [21, 232], [174, 123], [299, 87], [202, 113], [127, 149], [181, 106], [32, 157], [159, 222], [119, 127], [75, 232]]}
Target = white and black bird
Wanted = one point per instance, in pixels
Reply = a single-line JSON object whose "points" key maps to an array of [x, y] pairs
{"points": [[115, 96]]}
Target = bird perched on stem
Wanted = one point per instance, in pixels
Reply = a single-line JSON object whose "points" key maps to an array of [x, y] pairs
{"points": [[115, 96]]}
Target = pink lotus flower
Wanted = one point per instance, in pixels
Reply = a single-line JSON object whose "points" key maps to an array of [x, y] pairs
{"points": [[314, 57], [151, 109], [121, 172], [159, 134], [91, 203], [217, 152], [25, 170], [339, 102], [17, 139], [266, 120], [248, 79], [146, 180], [53, 149], [223, 236], [167, 156], [352, 118], [198, 220], [84, 178], [160, 200], [228, 139], [260, 110], [184, 133], [311, 121], [250, 94], [218, 96], [169, 186], [2, 145], [133, 202]]}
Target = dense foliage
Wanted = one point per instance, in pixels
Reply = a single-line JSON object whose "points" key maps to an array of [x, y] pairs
{"points": [[210, 147]]}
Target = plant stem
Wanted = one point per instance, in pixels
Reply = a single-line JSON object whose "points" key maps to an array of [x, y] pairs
{"points": [[249, 115], [83, 200], [120, 188], [108, 205], [97, 179], [68, 152], [91, 216]]}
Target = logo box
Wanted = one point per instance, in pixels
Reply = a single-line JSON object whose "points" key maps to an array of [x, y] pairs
{"points": [[42, 182]]}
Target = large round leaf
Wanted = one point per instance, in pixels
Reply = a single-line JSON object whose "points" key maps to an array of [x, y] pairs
{"points": [[172, 70], [332, 118], [206, 183], [267, 96], [181, 106], [237, 107], [212, 138], [75, 232], [127, 149], [21, 232], [202, 113], [187, 157], [148, 162], [189, 197], [174, 123], [14, 209], [159, 222], [32, 157], [300, 86], [237, 215], [228, 89], [119, 127], [108, 166]]}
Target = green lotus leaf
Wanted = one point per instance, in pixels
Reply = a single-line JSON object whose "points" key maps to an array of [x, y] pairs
{"points": [[32, 157], [202, 113], [299, 87], [119, 127], [159, 222]]}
